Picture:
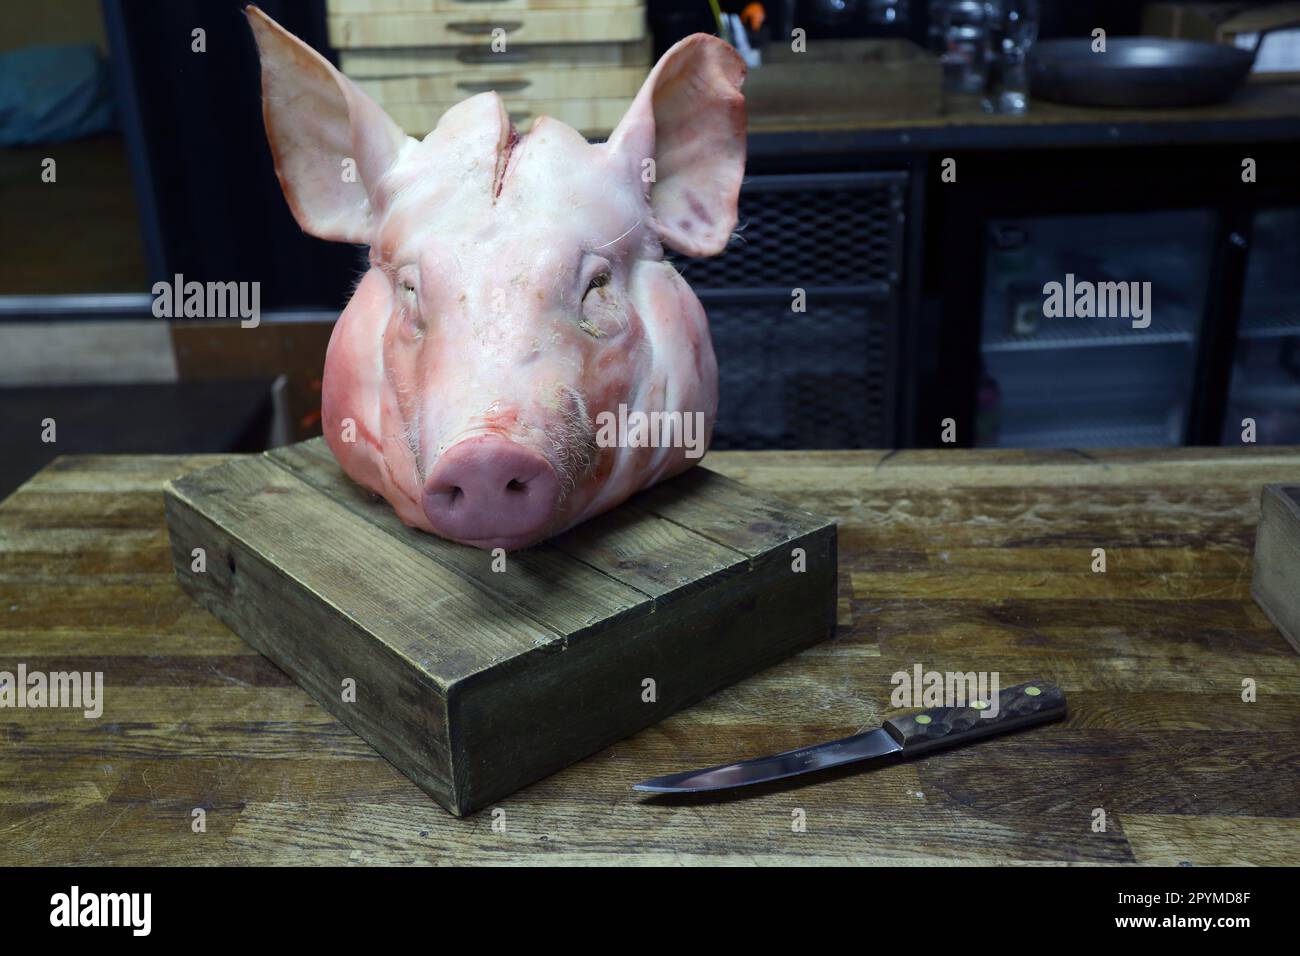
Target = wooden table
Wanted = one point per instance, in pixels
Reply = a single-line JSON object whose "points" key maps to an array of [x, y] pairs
{"points": [[957, 560]]}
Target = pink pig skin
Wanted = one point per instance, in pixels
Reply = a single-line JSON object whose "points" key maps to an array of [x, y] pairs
{"points": [[516, 286]]}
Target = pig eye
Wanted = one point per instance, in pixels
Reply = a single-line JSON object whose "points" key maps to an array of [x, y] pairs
{"points": [[602, 313], [409, 305], [598, 281]]}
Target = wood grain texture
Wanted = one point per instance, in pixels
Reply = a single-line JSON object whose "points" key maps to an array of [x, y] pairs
{"points": [[959, 560]]}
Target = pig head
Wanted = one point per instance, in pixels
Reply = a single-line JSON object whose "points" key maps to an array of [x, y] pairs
{"points": [[516, 295]]}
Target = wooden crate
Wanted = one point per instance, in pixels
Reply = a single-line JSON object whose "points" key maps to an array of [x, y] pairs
{"points": [[476, 682]]}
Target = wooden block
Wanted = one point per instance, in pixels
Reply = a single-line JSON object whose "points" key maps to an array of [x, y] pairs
{"points": [[476, 682], [1275, 584], [618, 24]]}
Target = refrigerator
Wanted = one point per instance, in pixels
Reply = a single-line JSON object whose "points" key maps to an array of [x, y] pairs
{"points": [[1090, 328]]}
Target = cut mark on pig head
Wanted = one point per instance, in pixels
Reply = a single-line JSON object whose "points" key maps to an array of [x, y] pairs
{"points": [[503, 163]]}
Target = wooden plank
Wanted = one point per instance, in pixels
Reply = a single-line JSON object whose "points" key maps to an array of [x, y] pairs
{"points": [[726, 512], [552, 588], [531, 85], [416, 608], [379, 62], [706, 633], [651, 554], [517, 27], [1177, 840]]}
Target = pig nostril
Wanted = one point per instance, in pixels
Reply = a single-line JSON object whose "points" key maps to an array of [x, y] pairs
{"points": [[489, 492]]}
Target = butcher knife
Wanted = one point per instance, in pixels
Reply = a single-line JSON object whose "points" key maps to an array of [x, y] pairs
{"points": [[1024, 705]]}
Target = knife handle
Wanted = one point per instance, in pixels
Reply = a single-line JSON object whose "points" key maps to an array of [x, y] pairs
{"points": [[1024, 705]]}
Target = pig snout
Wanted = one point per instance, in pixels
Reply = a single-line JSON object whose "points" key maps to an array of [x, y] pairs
{"points": [[491, 492]]}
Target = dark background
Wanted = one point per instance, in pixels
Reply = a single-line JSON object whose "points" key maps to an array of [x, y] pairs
{"points": [[898, 265]]}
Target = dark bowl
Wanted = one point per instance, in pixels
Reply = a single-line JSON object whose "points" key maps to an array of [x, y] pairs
{"points": [[1137, 72]]}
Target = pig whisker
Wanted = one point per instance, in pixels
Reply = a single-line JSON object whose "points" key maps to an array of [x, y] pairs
{"points": [[411, 434], [571, 441], [626, 234]]}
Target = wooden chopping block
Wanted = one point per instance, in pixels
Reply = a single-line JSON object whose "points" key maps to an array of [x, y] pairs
{"points": [[478, 674]]}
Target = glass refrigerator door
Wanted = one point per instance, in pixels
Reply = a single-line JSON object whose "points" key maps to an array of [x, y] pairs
{"points": [[1266, 366], [1090, 329]]}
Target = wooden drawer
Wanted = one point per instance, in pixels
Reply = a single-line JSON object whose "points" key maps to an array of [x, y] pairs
{"points": [[619, 24], [606, 82], [479, 63]]}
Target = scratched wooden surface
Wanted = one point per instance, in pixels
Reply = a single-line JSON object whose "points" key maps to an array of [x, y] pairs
{"points": [[956, 560]]}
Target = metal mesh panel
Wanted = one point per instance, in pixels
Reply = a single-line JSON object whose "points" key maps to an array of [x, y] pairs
{"points": [[817, 379], [803, 231]]}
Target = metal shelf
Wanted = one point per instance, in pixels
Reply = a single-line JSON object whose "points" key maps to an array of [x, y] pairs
{"points": [[1269, 318], [1090, 435], [1176, 328]]}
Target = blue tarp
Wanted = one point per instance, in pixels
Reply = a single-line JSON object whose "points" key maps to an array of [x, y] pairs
{"points": [[49, 94]]}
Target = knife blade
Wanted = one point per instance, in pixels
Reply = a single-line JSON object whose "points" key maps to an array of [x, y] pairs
{"points": [[1024, 705]]}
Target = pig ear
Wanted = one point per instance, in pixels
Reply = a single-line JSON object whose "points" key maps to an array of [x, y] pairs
{"points": [[690, 118], [317, 120]]}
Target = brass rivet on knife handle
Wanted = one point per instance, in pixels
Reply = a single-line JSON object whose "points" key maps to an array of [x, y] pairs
{"points": [[1024, 705]]}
